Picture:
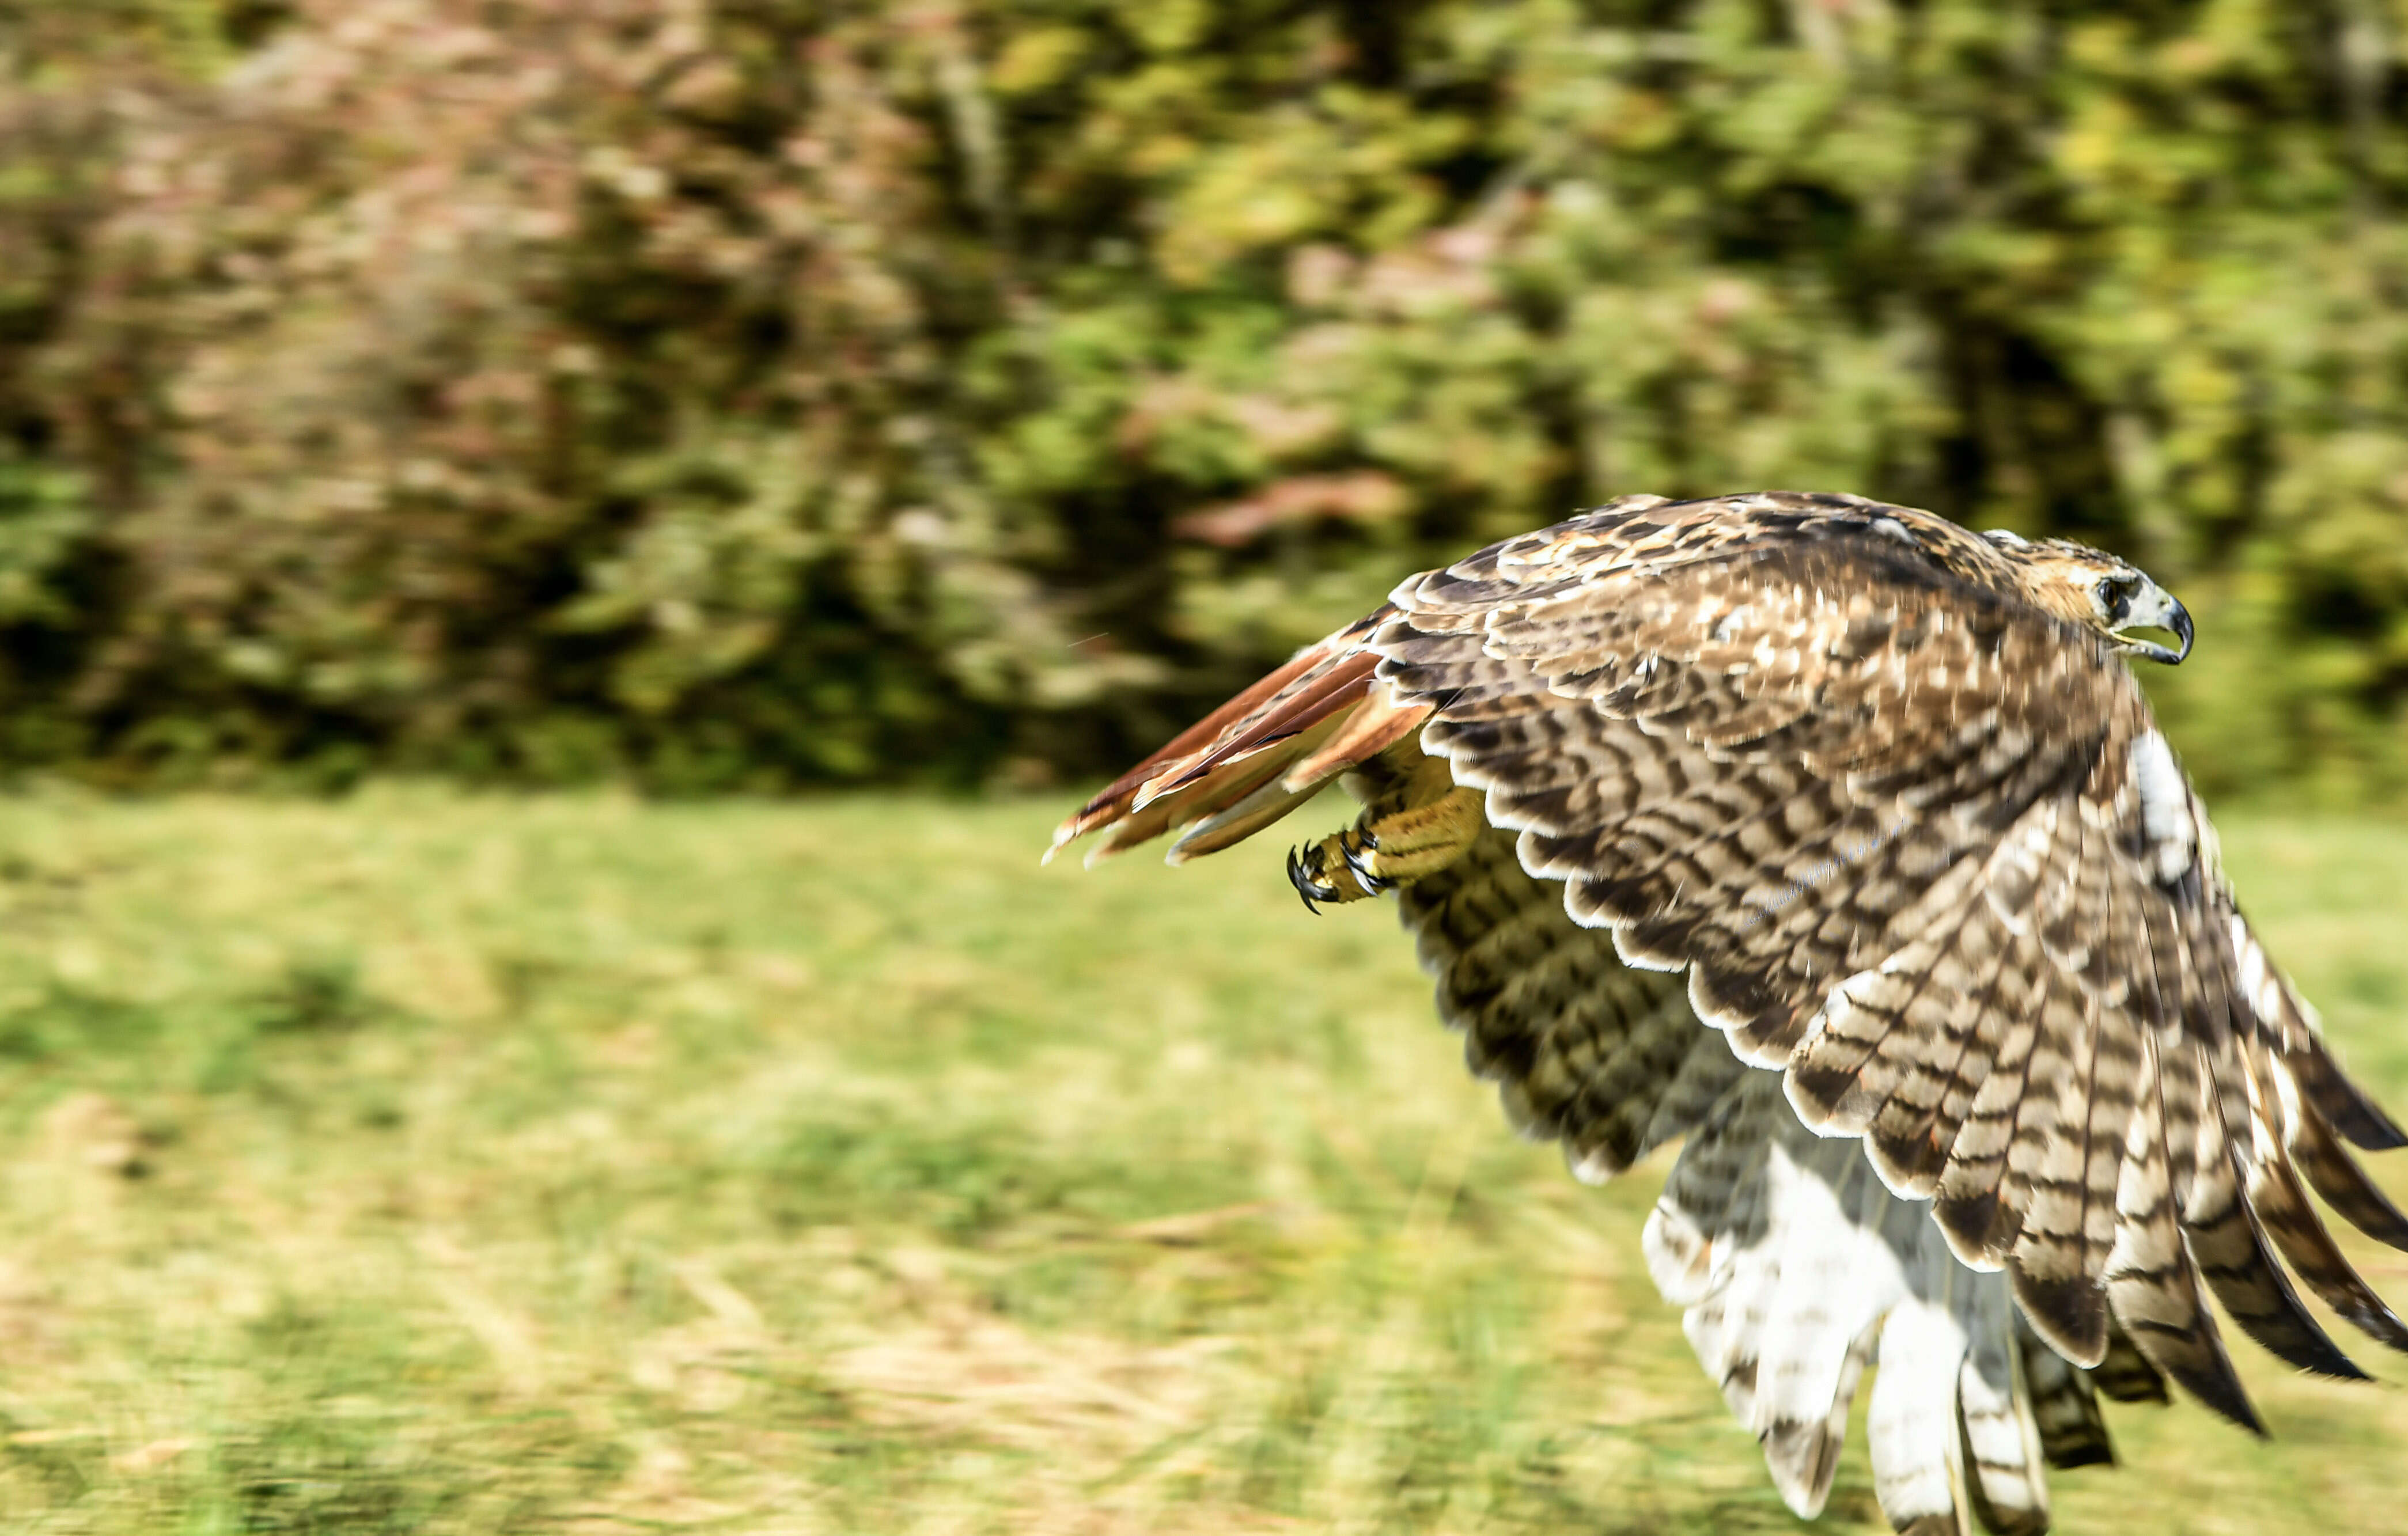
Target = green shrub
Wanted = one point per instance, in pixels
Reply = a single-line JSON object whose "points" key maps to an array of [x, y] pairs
{"points": [[738, 393]]}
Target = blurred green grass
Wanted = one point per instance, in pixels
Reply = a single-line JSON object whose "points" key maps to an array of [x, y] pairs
{"points": [[433, 1162]]}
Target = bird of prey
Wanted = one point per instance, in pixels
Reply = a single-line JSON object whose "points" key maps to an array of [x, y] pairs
{"points": [[1838, 842]]}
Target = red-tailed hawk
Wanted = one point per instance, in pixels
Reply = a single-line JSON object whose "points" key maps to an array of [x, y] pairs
{"points": [[1876, 800]]}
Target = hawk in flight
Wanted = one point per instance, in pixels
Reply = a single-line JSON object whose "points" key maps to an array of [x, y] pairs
{"points": [[1839, 842]]}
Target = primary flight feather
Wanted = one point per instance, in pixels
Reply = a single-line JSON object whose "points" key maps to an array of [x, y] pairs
{"points": [[1998, 1086]]}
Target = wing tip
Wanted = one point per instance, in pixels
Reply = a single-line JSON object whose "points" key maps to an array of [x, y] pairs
{"points": [[2067, 1312], [2194, 1355]]}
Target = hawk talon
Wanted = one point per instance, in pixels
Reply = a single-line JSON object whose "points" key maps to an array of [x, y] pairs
{"points": [[1358, 847], [1411, 840], [1311, 891], [1326, 871]]}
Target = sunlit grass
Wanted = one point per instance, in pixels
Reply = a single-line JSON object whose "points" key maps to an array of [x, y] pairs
{"points": [[433, 1163]]}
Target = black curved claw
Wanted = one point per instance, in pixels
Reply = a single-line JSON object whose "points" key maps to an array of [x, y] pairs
{"points": [[1312, 891], [1358, 858]]}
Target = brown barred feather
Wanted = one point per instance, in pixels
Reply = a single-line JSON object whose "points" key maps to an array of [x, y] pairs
{"points": [[2125, 1375], [2064, 1405], [2337, 1178], [1605, 1060]]}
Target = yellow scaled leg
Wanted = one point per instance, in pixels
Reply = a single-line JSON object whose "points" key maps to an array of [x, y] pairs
{"points": [[1396, 840]]}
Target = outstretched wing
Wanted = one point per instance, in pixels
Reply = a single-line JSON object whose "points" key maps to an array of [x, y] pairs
{"points": [[1919, 846], [1796, 1267], [1916, 846]]}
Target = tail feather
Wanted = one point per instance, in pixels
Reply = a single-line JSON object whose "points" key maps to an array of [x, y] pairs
{"points": [[1115, 799], [1318, 701], [1378, 723], [1223, 761], [1236, 822], [1231, 783], [2064, 1402]]}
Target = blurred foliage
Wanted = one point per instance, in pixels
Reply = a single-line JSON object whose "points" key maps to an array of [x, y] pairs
{"points": [[745, 392]]}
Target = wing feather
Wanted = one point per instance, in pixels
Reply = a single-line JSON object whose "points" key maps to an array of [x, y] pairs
{"points": [[1605, 1059]]}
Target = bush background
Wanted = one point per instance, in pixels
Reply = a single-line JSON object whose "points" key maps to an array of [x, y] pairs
{"points": [[745, 393]]}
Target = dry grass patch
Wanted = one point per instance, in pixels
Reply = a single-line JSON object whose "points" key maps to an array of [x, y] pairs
{"points": [[434, 1163]]}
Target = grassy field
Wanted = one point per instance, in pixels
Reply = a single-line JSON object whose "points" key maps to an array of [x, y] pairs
{"points": [[437, 1163]]}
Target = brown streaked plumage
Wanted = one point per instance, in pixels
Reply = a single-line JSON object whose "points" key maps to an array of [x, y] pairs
{"points": [[1877, 800]]}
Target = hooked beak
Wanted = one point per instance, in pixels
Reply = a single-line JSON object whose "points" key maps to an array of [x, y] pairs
{"points": [[2155, 608]]}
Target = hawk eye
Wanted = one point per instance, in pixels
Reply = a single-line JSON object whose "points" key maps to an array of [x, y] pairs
{"points": [[2114, 596]]}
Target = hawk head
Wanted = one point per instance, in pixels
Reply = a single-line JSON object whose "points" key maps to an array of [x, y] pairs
{"points": [[2098, 591]]}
